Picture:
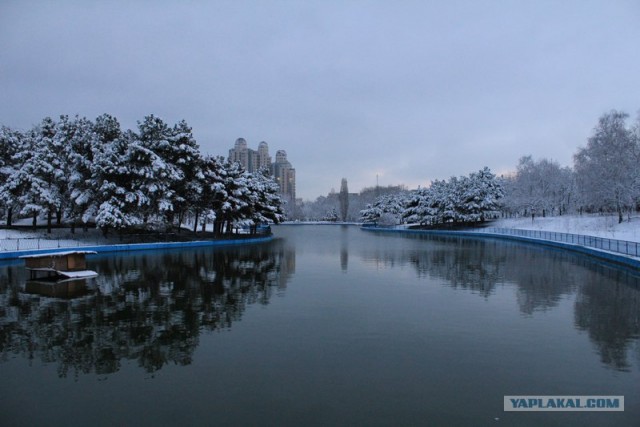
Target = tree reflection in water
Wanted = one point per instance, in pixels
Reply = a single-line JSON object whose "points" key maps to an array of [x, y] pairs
{"points": [[609, 311], [607, 299], [149, 307], [152, 307]]}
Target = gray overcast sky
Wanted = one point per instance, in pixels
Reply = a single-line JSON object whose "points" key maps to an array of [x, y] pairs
{"points": [[408, 90]]}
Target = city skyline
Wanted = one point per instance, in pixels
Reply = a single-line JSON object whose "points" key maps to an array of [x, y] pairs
{"points": [[283, 173]]}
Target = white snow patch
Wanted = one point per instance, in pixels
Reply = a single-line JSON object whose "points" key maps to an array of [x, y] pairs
{"points": [[605, 226]]}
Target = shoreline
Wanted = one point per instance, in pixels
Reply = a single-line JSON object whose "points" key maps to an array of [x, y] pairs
{"points": [[130, 247], [610, 257]]}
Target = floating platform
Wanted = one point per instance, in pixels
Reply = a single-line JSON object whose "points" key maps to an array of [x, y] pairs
{"points": [[62, 265]]}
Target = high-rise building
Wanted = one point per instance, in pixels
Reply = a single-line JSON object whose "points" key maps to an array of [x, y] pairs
{"points": [[240, 153], [285, 175], [263, 158], [253, 161]]}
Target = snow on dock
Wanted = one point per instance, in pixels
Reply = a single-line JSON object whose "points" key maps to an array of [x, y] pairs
{"points": [[68, 265]]}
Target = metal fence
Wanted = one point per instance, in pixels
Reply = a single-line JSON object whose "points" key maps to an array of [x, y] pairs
{"points": [[11, 244], [30, 243], [611, 245]]}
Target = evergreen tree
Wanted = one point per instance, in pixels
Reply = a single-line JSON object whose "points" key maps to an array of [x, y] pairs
{"points": [[41, 176], [77, 138], [182, 152], [11, 146], [265, 203], [209, 192], [344, 199], [120, 201], [77, 169], [154, 176], [233, 201]]}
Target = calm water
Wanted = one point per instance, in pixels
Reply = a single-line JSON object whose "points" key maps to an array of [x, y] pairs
{"points": [[326, 325]]}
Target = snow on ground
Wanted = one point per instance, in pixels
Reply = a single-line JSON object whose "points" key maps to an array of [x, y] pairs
{"points": [[592, 225], [12, 240]]}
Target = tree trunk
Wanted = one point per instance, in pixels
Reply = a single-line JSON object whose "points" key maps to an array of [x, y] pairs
{"points": [[35, 220], [180, 218], [195, 222], [9, 215], [49, 218], [59, 216], [619, 214]]}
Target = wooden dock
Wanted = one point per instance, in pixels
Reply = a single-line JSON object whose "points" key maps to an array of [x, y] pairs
{"points": [[59, 265]]}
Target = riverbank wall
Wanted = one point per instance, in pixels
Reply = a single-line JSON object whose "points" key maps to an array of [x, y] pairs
{"points": [[129, 247], [619, 259]]}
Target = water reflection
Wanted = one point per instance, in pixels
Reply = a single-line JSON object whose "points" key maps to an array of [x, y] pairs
{"points": [[610, 313], [607, 299], [152, 308], [344, 248], [149, 307], [58, 289]]}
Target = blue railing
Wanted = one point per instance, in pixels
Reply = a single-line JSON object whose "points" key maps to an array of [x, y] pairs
{"points": [[611, 245], [13, 244]]}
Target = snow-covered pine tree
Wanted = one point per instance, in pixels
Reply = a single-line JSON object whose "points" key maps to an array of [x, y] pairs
{"points": [[119, 200], [106, 145], [480, 197], [371, 214], [154, 177], [235, 204], [387, 209], [11, 145], [41, 174], [212, 194], [265, 203], [182, 153], [77, 138]]}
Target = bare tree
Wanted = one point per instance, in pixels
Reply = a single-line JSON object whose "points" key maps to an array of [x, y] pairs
{"points": [[607, 168], [541, 186]]}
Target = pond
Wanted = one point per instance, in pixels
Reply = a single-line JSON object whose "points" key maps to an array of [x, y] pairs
{"points": [[325, 325]]}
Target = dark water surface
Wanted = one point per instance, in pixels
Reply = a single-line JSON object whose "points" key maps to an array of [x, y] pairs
{"points": [[326, 325]]}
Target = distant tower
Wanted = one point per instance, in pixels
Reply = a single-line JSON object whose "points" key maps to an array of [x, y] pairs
{"points": [[240, 153], [263, 158], [285, 175]]}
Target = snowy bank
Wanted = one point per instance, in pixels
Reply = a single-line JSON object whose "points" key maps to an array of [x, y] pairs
{"points": [[8, 255], [605, 226]]}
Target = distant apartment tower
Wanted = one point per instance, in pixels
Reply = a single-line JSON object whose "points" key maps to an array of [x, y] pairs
{"points": [[252, 161], [285, 175]]}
